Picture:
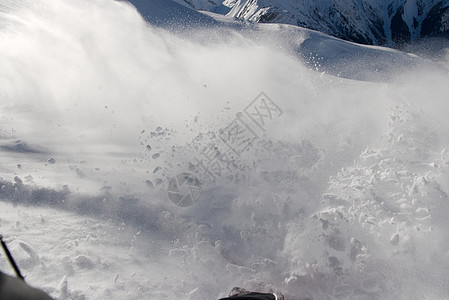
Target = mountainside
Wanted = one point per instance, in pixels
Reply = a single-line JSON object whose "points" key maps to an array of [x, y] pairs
{"points": [[363, 21], [316, 50]]}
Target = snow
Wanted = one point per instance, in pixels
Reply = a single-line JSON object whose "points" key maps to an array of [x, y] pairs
{"points": [[169, 13], [92, 258], [366, 21], [342, 193]]}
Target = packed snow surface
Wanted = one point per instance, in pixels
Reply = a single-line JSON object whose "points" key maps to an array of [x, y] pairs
{"points": [[298, 162]]}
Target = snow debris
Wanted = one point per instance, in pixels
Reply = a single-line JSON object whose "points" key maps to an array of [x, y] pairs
{"points": [[84, 262], [394, 240]]}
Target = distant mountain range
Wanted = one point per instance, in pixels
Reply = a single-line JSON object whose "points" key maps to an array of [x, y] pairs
{"points": [[374, 22]]}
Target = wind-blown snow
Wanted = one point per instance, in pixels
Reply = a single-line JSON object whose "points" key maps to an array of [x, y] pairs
{"points": [[342, 196]]}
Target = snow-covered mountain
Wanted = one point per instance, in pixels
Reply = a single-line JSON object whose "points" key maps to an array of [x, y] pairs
{"points": [[362, 21], [317, 50]]}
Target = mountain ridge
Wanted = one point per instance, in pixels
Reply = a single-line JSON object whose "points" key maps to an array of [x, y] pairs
{"points": [[370, 22]]}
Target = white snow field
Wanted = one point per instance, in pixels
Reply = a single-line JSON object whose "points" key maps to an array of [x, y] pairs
{"points": [[306, 164]]}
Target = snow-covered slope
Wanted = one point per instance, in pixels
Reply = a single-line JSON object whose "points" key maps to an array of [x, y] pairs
{"points": [[367, 21], [341, 193], [319, 51], [167, 13], [216, 6]]}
